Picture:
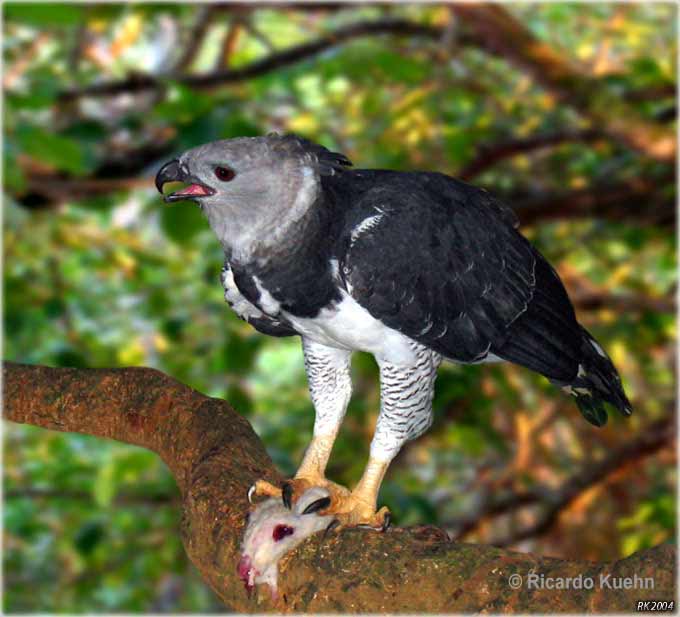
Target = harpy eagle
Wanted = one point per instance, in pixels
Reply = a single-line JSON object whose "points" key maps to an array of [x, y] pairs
{"points": [[412, 267]]}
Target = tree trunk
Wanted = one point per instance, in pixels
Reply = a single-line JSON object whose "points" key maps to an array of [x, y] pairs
{"points": [[215, 456]]}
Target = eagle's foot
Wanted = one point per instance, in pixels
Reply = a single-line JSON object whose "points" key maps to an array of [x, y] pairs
{"points": [[295, 487], [263, 488], [348, 508], [354, 512]]}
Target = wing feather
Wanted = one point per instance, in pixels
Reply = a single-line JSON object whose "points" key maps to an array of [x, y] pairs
{"points": [[444, 265]]}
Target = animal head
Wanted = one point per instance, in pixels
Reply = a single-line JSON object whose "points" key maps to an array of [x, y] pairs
{"points": [[273, 530], [251, 188]]}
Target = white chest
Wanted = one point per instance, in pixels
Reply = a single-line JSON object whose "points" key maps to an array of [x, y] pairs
{"points": [[347, 325]]}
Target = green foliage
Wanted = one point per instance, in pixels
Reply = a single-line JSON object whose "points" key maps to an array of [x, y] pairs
{"points": [[113, 276], [181, 224], [55, 150], [43, 14], [652, 522]]}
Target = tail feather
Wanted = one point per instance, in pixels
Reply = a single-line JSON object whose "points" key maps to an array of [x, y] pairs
{"points": [[547, 339], [597, 382]]}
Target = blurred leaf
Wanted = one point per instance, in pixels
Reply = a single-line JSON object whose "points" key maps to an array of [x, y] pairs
{"points": [[647, 71], [68, 356], [55, 150], [88, 537], [183, 104], [39, 97], [400, 67], [87, 130], [44, 14], [236, 125], [106, 485], [14, 178], [182, 222]]}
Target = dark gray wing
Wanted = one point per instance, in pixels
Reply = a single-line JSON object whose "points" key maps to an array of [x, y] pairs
{"points": [[443, 263]]}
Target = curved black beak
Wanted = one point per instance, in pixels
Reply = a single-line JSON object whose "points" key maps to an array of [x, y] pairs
{"points": [[174, 171], [170, 172]]}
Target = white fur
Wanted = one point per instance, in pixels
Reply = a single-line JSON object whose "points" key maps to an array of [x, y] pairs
{"points": [[258, 543]]}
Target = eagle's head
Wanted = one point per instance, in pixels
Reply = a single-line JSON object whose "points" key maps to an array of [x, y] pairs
{"points": [[251, 189]]}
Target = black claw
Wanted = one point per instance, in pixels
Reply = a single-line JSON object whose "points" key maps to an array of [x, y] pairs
{"points": [[331, 526], [287, 495], [317, 505], [387, 520]]}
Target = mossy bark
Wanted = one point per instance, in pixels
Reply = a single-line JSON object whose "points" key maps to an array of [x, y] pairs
{"points": [[215, 456]]}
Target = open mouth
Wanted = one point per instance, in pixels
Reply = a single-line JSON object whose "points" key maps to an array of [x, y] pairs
{"points": [[175, 172], [190, 192], [246, 573]]}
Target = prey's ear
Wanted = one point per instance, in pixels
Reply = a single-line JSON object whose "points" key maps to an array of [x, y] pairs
{"points": [[312, 500]]}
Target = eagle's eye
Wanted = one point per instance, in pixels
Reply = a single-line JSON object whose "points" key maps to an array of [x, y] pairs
{"points": [[224, 174], [281, 531]]}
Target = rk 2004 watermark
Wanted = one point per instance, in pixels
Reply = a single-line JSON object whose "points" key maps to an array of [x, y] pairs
{"points": [[533, 580]]}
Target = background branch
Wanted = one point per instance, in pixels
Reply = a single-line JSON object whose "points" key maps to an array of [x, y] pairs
{"points": [[650, 440], [639, 199], [490, 154], [497, 31], [292, 55], [196, 36]]}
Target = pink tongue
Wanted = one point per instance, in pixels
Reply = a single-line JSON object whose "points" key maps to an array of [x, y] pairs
{"points": [[193, 189]]}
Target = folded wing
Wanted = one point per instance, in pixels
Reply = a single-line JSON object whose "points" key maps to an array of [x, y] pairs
{"points": [[443, 263]]}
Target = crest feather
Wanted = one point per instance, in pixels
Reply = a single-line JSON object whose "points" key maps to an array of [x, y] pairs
{"points": [[327, 162]]}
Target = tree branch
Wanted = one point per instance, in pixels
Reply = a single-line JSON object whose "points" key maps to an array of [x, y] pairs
{"points": [[490, 154], [229, 42], [497, 31], [629, 303], [214, 455], [196, 36], [297, 53], [491, 28], [642, 199]]}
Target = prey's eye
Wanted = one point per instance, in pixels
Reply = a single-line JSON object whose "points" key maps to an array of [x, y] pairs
{"points": [[224, 174], [281, 531]]}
